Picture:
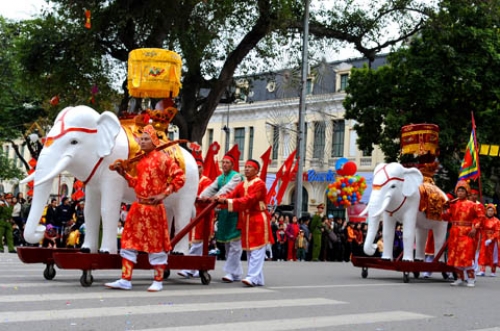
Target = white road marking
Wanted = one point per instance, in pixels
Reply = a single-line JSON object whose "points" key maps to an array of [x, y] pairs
{"points": [[304, 323], [54, 315], [114, 294]]}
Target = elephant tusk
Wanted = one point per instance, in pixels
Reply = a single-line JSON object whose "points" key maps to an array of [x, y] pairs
{"points": [[59, 167], [364, 212], [28, 179], [386, 202]]}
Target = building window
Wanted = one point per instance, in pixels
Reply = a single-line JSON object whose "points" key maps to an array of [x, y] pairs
{"points": [[210, 136], [239, 138], [309, 86], [344, 78], [319, 140], [250, 143], [338, 138], [276, 142]]}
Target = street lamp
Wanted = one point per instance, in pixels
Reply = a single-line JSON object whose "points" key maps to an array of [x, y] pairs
{"points": [[302, 109]]}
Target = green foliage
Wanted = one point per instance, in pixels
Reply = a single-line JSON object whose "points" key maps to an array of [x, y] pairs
{"points": [[442, 76], [8, 168], [216, 39]]}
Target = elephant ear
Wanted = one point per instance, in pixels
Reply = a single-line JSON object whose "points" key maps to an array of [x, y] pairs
{"points": [[108, 128], [413, 178]]}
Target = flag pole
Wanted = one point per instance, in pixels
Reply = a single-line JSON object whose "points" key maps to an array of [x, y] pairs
{"points": [[477, 159]]}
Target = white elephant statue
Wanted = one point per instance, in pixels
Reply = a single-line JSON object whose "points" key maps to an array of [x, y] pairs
{"points": [[395, 198], [84, 143]]}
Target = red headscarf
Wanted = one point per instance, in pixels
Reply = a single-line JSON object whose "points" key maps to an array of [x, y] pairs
{"points": [[152, 133]]}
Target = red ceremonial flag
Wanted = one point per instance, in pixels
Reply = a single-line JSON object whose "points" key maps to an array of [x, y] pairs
{"points": [[287, 176], [265, 163], [210, 165], [272, 197]]}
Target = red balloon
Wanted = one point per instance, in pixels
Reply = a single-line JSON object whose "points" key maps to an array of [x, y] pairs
{"points": [[350, 168]]}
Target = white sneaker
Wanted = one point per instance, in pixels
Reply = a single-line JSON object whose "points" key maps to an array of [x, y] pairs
{"points": [[457, 282], [228, 278], [156, 287], [120, 284], [480, 273], [493, 274], [471, 282]]}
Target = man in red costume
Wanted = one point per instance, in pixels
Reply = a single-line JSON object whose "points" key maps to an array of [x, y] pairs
{"points": [[490, 231], [146, 227], [198, 232], [466, 217], [249, 199]]}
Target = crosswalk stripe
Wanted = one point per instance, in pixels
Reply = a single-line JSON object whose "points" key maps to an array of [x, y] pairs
{"points": [[53, 315], [489, 329], [304, 323], [111, 294], [333, 286]]}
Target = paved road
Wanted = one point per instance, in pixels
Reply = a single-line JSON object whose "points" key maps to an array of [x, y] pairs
{"points": [[297, 296]]}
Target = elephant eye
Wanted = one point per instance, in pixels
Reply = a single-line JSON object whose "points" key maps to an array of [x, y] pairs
{"points": [[393, 186], [74, 142]]}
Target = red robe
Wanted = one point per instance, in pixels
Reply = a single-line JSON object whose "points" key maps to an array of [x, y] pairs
{"points": [[197, 233], [463, 215], [249, 199], [146, 228], [490, 229]]}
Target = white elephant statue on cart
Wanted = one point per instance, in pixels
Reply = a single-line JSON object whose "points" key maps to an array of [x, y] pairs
{"points": [[396, 197], [85, 143]]}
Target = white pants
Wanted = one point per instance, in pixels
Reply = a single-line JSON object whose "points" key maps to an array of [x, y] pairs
{"points": [[256, 260], [233, 265], [195, 249], [154, 258]]}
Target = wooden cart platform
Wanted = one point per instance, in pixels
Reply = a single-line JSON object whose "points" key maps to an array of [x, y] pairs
{"points": [[66, 258]]}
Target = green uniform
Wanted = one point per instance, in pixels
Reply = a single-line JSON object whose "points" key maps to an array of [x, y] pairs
{"points": [[315, 228], [6, 227], [226, 221]]}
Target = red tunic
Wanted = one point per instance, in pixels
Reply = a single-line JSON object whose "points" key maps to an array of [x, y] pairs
{"points": [[146, 228], [490, 230], [197, 233], [248, 198], [464, 215]]}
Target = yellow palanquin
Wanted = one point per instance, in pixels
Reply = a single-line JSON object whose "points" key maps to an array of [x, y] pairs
{"points": [[154, 73]]}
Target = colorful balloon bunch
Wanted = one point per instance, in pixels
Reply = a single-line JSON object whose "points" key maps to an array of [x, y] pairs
{"points": [[346, 190]]}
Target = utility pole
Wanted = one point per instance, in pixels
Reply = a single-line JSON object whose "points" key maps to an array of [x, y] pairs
{"points": [[302, 110]]}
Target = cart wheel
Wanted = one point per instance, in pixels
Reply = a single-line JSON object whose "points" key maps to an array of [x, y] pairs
{"points": [[50, 272], [86, 279], [364, 272], [166, 273], [406, 277], [416, 274], [205, 277]]}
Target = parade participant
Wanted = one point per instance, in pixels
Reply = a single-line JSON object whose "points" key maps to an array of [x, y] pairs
{"points": [[6, 223], [489, 234], [249, 199], [146, 230], [227, 233], [316, 225], [199, 230], [465, 217]]}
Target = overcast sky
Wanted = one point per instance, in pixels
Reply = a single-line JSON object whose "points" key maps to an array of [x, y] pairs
{"points": [[21, 9]]}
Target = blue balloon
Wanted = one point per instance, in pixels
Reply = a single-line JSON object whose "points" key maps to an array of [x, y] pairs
{"points": [[340, 163]]}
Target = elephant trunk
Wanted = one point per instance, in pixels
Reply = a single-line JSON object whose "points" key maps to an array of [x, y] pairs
{"points": [[374, 209], [33, 231], [369, 246]]}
